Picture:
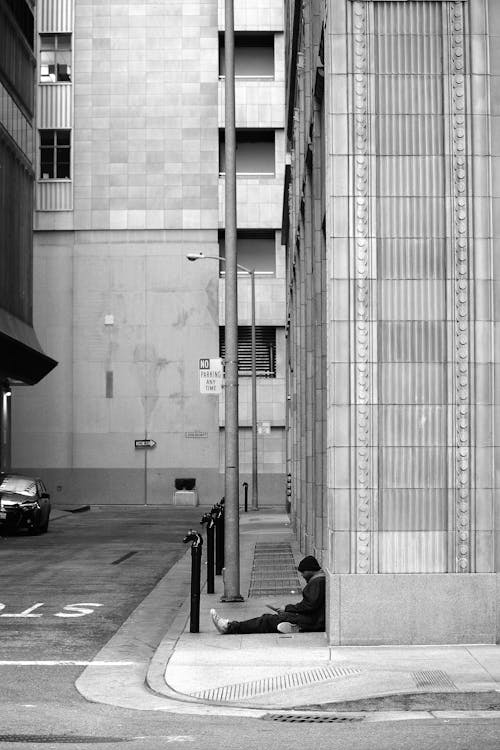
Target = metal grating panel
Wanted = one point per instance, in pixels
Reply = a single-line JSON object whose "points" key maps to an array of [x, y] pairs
{"points": [[433, 679], [310, 718], [290, 680], [273, 570]]}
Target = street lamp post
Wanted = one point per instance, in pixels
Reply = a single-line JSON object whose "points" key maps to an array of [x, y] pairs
{"points": [[251, 273], [231, 471]]}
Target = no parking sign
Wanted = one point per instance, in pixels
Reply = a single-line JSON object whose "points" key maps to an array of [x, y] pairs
{"points": [[211, 375]]}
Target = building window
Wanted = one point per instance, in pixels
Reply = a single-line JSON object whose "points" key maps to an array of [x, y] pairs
{"points": [[55, 58], [254, 152], [256, 250], [55, 151], [253, 55], [265, 341]]}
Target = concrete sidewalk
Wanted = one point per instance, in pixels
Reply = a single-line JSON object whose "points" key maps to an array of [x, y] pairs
{"points": [[276, 671], [146, 668]]}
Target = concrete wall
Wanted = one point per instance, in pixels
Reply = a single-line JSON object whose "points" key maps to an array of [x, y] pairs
{"points": [[119, 306], [488, 36]]}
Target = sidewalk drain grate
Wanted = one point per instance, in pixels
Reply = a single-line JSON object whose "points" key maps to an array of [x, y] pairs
{"points": [[290, 680], [58, 739], [310, 718], [433, 679]]}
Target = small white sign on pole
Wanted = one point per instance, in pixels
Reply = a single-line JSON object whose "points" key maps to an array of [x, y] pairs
{"points": [[211, 376]]}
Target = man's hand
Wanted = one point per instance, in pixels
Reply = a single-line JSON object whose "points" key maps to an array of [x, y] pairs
{"points": [[279, 609]]}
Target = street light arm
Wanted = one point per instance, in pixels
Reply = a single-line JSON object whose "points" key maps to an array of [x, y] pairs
{"points": [[202, 256]]}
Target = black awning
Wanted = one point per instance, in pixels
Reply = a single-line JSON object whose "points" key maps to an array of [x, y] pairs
{"points": [[21, 356]]}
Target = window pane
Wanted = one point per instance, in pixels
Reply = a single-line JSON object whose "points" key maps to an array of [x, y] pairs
{"points": [[63, 72], [62, 137], [47, 41], [258, 253], [47, 58], [255, 249], [254, 152], [253, 54], [47, 67], [47, 137], [255, 157], [64, 41], [254, 61], [46, 163], [62, 163]]}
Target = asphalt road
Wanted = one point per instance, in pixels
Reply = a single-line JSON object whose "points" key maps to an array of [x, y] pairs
{"points": [[64, 594]]}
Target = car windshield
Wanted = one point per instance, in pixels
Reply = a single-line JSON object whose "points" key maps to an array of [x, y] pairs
{"points": [[18, 486]]}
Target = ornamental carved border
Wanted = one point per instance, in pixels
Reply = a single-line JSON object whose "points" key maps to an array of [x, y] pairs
{"points": [[361, 365], [460, 249]]}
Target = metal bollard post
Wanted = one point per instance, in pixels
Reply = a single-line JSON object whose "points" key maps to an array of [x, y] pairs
{"points": [[209, 519], [219, 537], [245, 488], [288, 493], [196, 547]]}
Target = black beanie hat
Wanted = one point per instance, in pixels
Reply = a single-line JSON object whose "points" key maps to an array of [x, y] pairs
{"points": [[308, 563]]}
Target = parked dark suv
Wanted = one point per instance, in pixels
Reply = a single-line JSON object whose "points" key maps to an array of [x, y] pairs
{"points": [[24, 504]]}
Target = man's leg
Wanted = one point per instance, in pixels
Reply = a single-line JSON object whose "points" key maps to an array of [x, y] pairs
{"points": [[266, 623]]}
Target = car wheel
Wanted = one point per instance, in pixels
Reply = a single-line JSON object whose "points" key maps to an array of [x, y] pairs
{"points": [[39, 529]]}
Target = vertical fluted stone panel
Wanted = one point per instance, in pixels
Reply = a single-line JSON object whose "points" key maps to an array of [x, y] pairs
{"points": [[411, 449]]}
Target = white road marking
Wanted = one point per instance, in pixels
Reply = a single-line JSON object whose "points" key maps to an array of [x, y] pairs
{"points": [[67, 663], [80, 609], [26, 613], [170, 738]]}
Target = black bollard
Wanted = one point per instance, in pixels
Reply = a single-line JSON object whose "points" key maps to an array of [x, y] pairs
{"points": [[219, 537], [196, 547], [209, 519], [245, 487]]}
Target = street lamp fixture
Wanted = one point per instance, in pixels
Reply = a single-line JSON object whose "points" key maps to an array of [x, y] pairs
{"points": [[251, 272]]}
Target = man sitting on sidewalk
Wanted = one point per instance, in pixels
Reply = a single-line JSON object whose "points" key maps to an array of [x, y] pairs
{"points": [[307, 615]]}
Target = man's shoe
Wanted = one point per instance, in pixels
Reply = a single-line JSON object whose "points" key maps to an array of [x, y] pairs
{"points": [[287, 627], [220, 623]]}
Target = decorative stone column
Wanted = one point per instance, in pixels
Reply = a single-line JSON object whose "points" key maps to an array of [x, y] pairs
{"points": [[410, 218]]}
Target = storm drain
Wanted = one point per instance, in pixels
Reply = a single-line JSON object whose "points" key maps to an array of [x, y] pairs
{"points": [[240, 691], [273, 570], [311, 718], [433, 679], [58, 739]]}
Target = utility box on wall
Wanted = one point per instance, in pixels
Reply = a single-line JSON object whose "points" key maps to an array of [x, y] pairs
{"points": [[185, 492]]}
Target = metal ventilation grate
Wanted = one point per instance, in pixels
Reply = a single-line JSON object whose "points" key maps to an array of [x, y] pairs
{"points": [[273, 570], [289, 681], [433, 679], [311, 718]]}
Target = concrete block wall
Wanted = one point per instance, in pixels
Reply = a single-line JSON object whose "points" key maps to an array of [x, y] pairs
{"points": [[126, 315]]}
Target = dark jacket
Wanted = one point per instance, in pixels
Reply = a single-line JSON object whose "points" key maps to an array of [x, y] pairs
{"points": [[309, 613]]}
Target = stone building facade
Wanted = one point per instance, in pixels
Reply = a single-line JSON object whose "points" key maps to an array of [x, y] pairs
{"points": [[129, 146], [392, 232]]}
